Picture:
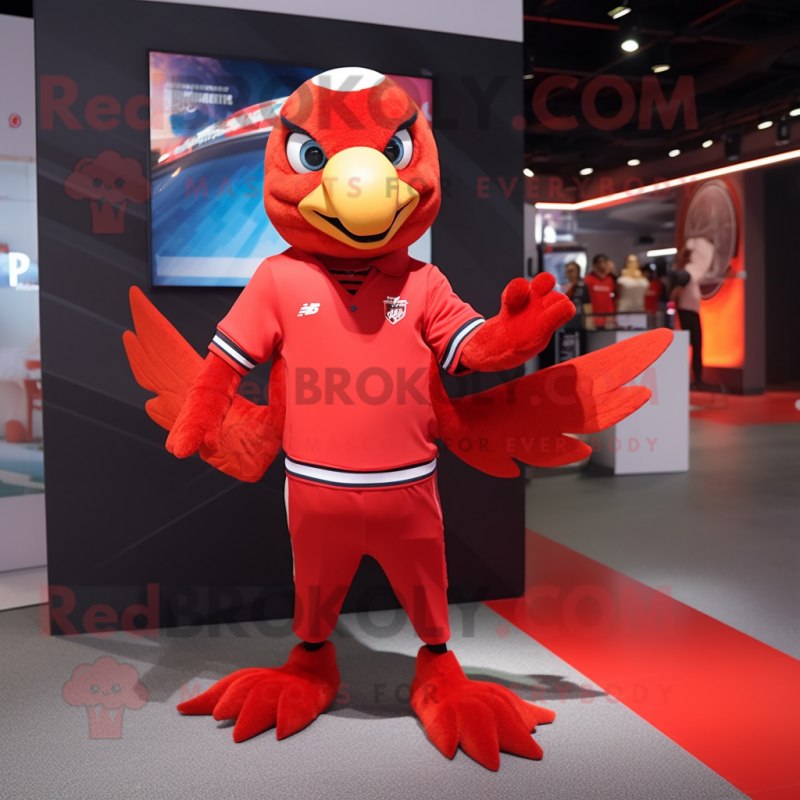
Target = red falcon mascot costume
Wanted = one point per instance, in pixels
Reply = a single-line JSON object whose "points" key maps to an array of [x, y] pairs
{"points": [[352, 324]]}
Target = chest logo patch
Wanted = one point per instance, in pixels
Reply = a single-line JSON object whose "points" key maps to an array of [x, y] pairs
{"points": [[394, 309], [308, 308]]}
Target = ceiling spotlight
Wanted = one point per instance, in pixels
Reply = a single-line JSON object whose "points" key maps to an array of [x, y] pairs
{"points": [[528, 173], [528, 77], [767, 123], [675, 152], [587, 171], [629, 44], [619, 11], [795, 112], [708, 142], [660, 59], [634, 162]]}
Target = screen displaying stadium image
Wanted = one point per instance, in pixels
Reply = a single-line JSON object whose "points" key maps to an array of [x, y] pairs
{"points": [[210, 121]]}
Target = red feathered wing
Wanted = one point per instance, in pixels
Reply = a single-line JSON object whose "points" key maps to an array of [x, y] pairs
{"points": [[526, 419], [163, 362]]}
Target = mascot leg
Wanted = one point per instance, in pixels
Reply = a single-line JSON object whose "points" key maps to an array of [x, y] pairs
{"points": [[482, 717], [406, 537], [327, 544], [287, 698]]}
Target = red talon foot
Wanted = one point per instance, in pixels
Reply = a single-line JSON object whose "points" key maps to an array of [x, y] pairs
{"points": [[483, 718], [287, 698]]}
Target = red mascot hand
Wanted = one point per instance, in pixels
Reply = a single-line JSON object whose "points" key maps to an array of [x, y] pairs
{"points": [[207, 403], [529, 315], [251, 438]]}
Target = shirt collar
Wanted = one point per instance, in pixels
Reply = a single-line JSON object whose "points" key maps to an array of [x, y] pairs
{"points": [[394, 264]]}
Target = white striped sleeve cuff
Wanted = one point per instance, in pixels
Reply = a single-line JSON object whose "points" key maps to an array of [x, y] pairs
{"points": [[457, 340]]}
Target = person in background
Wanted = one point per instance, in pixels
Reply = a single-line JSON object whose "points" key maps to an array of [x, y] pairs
{"points": [[575, 289], [570, 340], [602, 289], [655, 294], [631, 288], [686, 296]]}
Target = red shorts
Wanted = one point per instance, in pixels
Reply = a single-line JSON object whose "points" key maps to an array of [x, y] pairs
{"points": [[334, 527]]}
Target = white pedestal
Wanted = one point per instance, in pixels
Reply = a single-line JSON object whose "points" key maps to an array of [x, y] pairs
{"points": [[656, 437], [24, 587], [23, 543]]}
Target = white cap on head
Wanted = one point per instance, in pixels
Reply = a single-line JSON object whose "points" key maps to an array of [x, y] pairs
{"points": [[348, 79]]}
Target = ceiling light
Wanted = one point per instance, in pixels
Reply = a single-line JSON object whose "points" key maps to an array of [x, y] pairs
{"points": [[664, 251], [630, 45], [619, 11], [708, 142], [527, 77], [660, 60], [634, 162], [795, 112], [528, 173], [767, 123], [662, 186], [587, 171], [675, 152]]}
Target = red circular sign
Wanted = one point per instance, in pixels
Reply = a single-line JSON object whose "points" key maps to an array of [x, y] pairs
{"points": [[14, 120]]}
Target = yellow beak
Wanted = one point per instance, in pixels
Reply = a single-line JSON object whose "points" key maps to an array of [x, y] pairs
{"points": [[360, 200]]}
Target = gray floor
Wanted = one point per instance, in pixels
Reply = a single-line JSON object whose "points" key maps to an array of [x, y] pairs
{"points": [[725, 536], [368, 747]]}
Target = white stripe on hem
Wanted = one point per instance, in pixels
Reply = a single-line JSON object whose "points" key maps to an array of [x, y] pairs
{"points": [[232, 353], [402, 475]]}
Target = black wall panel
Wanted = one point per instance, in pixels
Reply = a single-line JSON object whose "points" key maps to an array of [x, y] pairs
{"points": [[781, 201], [121, 512]]}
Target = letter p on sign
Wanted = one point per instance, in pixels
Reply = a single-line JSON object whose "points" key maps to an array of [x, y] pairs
{"points": [[17, 264]]}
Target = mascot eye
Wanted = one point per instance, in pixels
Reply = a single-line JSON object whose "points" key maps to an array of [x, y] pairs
{"points": [[400, 149], [304, 154]]}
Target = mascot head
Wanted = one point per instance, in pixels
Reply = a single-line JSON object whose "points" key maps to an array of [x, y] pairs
{"points": [[351, 168]]}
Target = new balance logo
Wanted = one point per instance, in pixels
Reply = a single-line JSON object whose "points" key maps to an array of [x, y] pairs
{"points": [[308, 308]]}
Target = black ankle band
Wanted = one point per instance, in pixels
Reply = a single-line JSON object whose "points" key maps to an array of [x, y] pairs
{"points": [[437, 649], [312, 646]]}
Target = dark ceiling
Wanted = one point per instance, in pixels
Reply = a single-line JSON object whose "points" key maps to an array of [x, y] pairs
{"points": [[743, 58]]}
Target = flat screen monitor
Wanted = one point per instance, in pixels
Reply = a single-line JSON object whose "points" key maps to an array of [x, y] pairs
{"points": [[210, 122]]}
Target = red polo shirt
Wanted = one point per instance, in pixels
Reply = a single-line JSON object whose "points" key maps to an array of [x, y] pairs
{"points": [[357, 365], [653, 295], [601, 293]]}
